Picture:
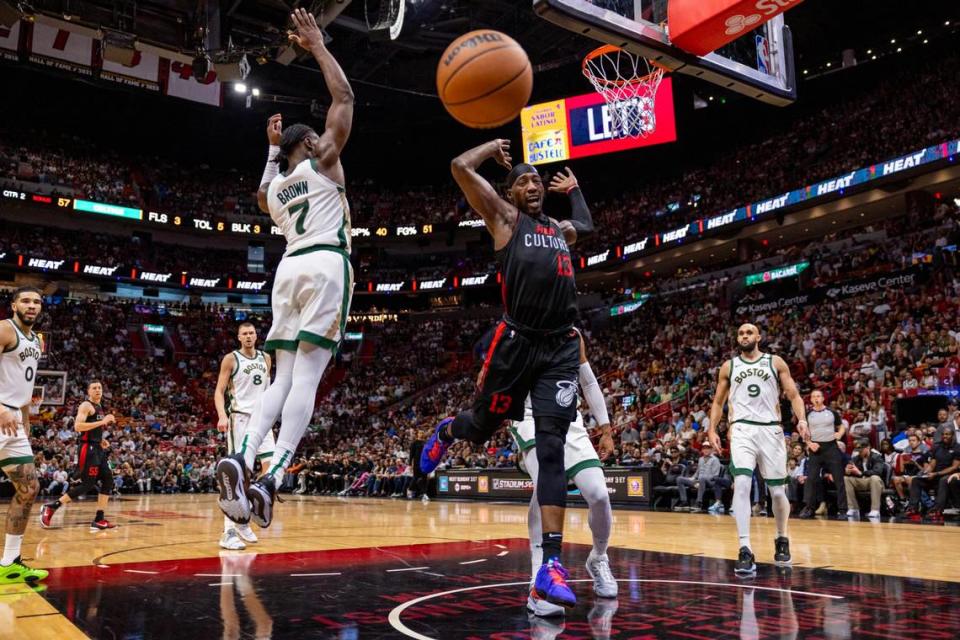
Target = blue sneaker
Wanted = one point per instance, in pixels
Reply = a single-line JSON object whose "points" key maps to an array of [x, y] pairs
{"points": [[551, 584], [435, 448]]}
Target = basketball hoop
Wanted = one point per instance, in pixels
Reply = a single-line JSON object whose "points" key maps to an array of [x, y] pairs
{"points": [[628, 84]]}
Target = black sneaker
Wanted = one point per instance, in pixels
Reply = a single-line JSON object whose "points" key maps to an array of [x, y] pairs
{"points": [[745, 565], [231, 477], [262, 494], [806, 513], [781, 556]]}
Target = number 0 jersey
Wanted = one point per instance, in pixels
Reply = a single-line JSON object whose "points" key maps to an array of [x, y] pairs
{"points": [[310, 209], [250, 379], [18, 368], [754, 392]]}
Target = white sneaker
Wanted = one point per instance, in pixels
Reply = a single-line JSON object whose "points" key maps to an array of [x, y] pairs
{"points": [[425, 499], [540, 607], [951, 512], [873, 514], [245, 532], [604, 584], [853, 513], [230, 540]]}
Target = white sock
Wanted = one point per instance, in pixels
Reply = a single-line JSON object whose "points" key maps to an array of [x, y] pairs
{"points": [[11, 549], [781, 509], [227, 524], [534, 526], [593, 488], [308, 367], [268, 408], [741, 508]]}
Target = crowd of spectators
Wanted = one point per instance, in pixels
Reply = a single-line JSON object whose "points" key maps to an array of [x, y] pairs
{"points": [[856, 130]]}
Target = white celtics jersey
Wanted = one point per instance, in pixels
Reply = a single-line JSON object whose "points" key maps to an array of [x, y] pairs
{"points": [[18, 368], [250, 379], [310, 209], [754, 392]]}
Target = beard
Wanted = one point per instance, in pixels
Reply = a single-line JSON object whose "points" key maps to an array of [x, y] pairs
{"points": [[747, 348], [23, 319]]}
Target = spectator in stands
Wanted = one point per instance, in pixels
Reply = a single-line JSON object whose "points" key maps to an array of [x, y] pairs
{"points": [[944, 461], [709, 477], [864, 472], [629, 435]]}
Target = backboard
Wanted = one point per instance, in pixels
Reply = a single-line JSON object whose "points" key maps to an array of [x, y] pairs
{"points": [[758, 64]]}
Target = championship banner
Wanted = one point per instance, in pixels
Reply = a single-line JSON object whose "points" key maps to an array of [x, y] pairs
{"points": [[625, 486], [840, 291], [61, 49], [581, 126], [181, 83], [143, 73], [10, 40]]}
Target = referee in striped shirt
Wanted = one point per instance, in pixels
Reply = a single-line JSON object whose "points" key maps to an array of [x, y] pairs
{"points": [[825, 429]]}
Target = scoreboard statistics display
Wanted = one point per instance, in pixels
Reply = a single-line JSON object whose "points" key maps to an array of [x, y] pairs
{"points": [[580, 126]]}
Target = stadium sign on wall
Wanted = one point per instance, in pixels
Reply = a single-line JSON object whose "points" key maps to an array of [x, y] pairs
{"points": [[840, 291], [776, 274]]}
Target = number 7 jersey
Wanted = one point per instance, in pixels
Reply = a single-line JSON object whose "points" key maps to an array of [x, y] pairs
{"points": [[310, 209], [754, 392], [18, 368]]}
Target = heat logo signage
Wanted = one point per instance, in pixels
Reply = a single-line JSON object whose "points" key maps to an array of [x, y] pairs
{"points": [[582, 126], [389, 287], [475, 281], [97, 270], [428, 285], [40, 263]]}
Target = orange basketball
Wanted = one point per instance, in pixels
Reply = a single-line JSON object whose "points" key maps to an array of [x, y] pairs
{"points": [[484, 79]]}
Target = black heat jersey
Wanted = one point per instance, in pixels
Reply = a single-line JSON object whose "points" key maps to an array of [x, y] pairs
{"points": [[539, 290], [93, 436]]}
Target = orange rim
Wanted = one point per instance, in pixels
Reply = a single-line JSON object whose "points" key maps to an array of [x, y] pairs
{"points": [[609, 48]]}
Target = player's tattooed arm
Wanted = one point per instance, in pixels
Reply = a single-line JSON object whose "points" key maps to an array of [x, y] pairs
{"points": [[24, 479], [499, 215]]}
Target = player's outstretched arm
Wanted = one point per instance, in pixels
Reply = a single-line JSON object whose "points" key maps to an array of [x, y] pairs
{"points": [[793, 395], [580, 224], [340, 115], [716, 409], [223, 379], [499, 215], [274, 131]]}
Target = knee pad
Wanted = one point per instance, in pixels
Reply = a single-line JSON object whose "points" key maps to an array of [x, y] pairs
{"points": [[552, 479], [742, 484], [551, 424]]}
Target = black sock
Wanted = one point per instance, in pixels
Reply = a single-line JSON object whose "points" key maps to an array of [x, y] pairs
{"points": [[551, 545], [99, 516], [458, 429]]}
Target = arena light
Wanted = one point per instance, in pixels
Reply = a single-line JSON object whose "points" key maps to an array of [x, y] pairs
{"points": [[240, 87]]}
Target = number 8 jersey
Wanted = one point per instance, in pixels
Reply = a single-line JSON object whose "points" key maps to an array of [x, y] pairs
{"points": [[754, 392], [249, 380], [18, 368], [310, 209]]}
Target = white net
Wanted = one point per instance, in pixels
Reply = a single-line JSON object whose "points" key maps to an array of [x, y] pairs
{"points": [[628, 84]]}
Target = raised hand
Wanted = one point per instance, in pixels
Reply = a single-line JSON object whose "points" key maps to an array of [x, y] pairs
{"points": [[502, 153], [308, 33], [275, 129], [562, 182]]}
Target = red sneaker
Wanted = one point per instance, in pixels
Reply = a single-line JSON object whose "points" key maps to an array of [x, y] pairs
{"points": [[912, 515], [101, 525], [46, 515], [935, 516]]}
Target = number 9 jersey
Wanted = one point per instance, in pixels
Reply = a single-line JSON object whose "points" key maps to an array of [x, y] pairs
{"points": [[754, 392], [18, 368]]}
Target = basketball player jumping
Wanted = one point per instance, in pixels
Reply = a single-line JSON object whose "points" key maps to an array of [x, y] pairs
{"points": [[752, 383], [93, 469], [313, 285], [20, 351], [583, 466], [244, 376], [535, 349]]}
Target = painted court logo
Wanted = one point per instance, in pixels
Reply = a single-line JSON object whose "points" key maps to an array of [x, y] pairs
{"points": [[567, 393]]}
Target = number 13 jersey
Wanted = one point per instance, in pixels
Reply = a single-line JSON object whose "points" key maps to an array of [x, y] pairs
{"points": [[754, 392], [310, 209]]}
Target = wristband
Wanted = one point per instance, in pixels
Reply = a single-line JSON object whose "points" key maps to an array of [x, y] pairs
{"points": [[576, 186], [271, 169]]}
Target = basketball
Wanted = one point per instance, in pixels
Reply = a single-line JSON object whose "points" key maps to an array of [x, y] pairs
{"points": [[484, 79]]}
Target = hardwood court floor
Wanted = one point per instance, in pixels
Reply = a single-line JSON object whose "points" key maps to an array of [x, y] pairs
{"points": [[154, 531]]}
